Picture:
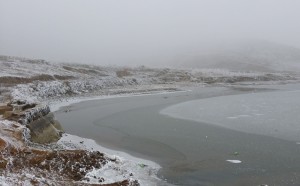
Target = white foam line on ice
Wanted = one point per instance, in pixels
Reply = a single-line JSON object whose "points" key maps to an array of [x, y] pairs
{"points": [[56, 105]]}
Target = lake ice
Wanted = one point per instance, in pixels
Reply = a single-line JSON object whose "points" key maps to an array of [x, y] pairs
{"points": [[273, 114]]}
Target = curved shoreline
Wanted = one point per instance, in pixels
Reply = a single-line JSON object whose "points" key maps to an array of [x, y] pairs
{"points": [[77, 111], [144, 177], [57, 105]]}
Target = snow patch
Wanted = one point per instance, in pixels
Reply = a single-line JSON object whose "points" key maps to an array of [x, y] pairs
{"points": [[7, 123], [3, 181], [234, 161]]}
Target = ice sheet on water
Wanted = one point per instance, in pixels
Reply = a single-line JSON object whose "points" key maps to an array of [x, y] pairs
{"points": [[271, 113]]}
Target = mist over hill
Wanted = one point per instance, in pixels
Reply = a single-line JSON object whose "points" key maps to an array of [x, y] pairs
{"points": [[242, 56]]}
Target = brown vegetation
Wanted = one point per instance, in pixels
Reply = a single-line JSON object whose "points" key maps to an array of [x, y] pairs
{"points": [[26, 60], [11, 80], [59, 77], [123, 72], [63, 167], [84, 71], [2, 144], [5, 108], [72, 164]]}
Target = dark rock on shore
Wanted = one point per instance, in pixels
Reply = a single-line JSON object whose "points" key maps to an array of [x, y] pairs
{"points": [[45, 129], [38, 118]]}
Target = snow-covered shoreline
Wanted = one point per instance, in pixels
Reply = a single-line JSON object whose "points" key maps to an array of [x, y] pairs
{"points": [[145, 171], [58, 104], [120, 166], [61, 85], [128, 167]]}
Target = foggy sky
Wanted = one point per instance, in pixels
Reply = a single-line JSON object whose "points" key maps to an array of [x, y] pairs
{"points": [[131, 32]]}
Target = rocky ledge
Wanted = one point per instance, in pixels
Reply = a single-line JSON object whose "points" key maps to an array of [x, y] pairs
{"points": [[27, 135], [37, 118]]}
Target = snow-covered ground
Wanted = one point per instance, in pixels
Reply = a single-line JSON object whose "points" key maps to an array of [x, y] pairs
{"points": [[38, 80], [60, 84], [125, 167]]}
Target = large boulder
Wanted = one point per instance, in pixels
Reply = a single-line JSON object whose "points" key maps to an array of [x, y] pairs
{"points": [[45, 129], [38, 118]]}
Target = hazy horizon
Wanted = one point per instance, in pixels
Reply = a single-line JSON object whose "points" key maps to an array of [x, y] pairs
{"points": [[140, 32]]}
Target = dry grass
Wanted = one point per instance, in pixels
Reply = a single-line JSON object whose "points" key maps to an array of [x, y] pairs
{"points": [[2, 144], [59, 77], [12, 81], [122, 73], [87, 71]]}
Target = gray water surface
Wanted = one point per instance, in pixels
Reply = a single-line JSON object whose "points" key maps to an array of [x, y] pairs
{"points": [[190, 152]]}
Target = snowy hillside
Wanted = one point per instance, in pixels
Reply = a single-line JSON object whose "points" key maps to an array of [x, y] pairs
{"points": [[39, 80]]}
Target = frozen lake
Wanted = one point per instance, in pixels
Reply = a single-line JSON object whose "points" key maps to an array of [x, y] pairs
{"points": [[196, 145], [273, 114]]}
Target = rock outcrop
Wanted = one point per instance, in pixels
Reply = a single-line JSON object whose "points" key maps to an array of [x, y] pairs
{"points": [[23, 163], [37, 118], [45, 129]]}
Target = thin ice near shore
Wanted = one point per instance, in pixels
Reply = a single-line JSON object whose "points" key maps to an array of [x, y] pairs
{"points": [[116, 169]]}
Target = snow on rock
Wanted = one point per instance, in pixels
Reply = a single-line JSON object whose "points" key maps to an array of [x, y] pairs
{"points": [[33, 113], [40, 91]]}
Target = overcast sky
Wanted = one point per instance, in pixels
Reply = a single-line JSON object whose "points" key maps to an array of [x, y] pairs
{"points": [[138, 31]]}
